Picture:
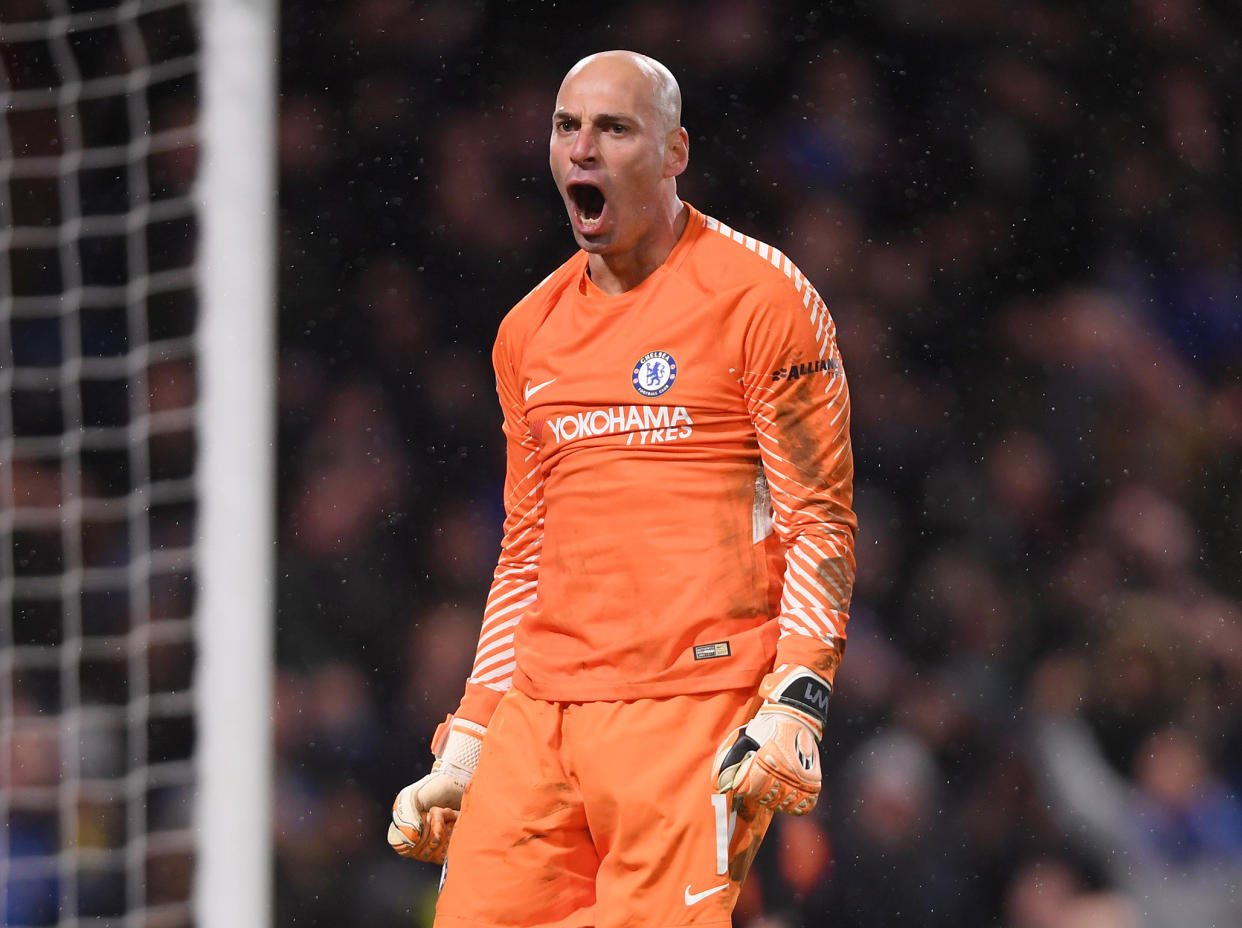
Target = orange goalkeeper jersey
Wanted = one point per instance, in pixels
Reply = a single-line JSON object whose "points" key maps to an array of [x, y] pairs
{"points": [[679, 481]]}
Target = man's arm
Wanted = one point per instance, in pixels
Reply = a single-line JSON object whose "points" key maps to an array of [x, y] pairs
{"points": [[517, 570], [798, 400], [424, 813]]}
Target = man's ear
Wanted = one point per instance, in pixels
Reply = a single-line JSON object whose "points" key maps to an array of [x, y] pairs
{"points": [[676, 152]]}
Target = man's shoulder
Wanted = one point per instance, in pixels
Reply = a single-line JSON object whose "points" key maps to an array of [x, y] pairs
{"points": [[535, 304], [529, 313], [729, 258]]}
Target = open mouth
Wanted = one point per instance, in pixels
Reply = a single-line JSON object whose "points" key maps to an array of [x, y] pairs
{"points": [[588, 203]]}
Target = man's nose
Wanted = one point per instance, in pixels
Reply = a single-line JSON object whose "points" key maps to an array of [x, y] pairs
{"points": [[583, 148]]}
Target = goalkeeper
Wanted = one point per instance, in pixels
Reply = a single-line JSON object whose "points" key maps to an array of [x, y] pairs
{"points": [[668, 612]]}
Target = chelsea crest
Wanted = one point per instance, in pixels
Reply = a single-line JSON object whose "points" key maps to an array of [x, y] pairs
{"points": [[654, 373]]}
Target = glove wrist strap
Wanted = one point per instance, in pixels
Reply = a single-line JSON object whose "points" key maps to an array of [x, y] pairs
{"points": [[458, 748], [800, 691]]}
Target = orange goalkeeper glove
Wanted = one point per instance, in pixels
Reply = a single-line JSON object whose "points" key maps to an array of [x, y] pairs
{"points": [[424, 813], [772, 762]]}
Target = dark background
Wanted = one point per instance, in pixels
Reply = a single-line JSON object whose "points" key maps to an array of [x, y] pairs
{"points": [[1024, 218]]}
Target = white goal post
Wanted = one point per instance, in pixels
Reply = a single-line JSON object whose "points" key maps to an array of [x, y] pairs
{"points": [[237, 205]]}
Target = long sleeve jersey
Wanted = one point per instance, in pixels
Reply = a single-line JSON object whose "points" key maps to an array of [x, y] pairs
{"points": [[679, 481]]}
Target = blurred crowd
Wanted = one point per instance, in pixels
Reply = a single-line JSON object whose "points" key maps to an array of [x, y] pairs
{"points": [[1026, 219]]}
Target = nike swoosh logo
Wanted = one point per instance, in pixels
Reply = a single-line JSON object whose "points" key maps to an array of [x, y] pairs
{"points": [[531, 391], [692, 898]]}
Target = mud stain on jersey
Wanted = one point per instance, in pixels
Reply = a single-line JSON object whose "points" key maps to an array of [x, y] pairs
{"points": [[837, 575], [829, 468], [794, 407], [827, 664]]}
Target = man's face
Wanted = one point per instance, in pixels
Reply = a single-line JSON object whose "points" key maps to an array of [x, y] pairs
{"points": [[609, 154]]}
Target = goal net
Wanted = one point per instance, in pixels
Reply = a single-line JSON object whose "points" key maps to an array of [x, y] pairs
{"points": [[117, 480]]}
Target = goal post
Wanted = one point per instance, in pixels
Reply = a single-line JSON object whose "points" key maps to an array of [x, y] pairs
{"points": [[236, 278]]}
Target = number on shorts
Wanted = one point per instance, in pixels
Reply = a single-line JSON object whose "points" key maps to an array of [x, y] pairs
{"points": [[726, 822]]}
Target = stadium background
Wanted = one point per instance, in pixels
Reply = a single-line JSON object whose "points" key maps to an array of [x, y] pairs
{"points": [[1025, 218]]}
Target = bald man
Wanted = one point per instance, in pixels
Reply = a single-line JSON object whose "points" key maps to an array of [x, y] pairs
{"points": [[668, 611]]}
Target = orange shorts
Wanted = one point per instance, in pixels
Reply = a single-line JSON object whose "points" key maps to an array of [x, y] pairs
{"points": [[600, 815]]}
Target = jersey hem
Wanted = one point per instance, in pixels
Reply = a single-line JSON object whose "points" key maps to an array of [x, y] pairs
{"points": [[747, 678]]}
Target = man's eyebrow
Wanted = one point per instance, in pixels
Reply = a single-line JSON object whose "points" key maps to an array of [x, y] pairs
{"points": [[600, 118]]}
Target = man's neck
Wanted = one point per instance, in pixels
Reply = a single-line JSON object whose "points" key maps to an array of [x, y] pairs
{"points": [[615, 274]]}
